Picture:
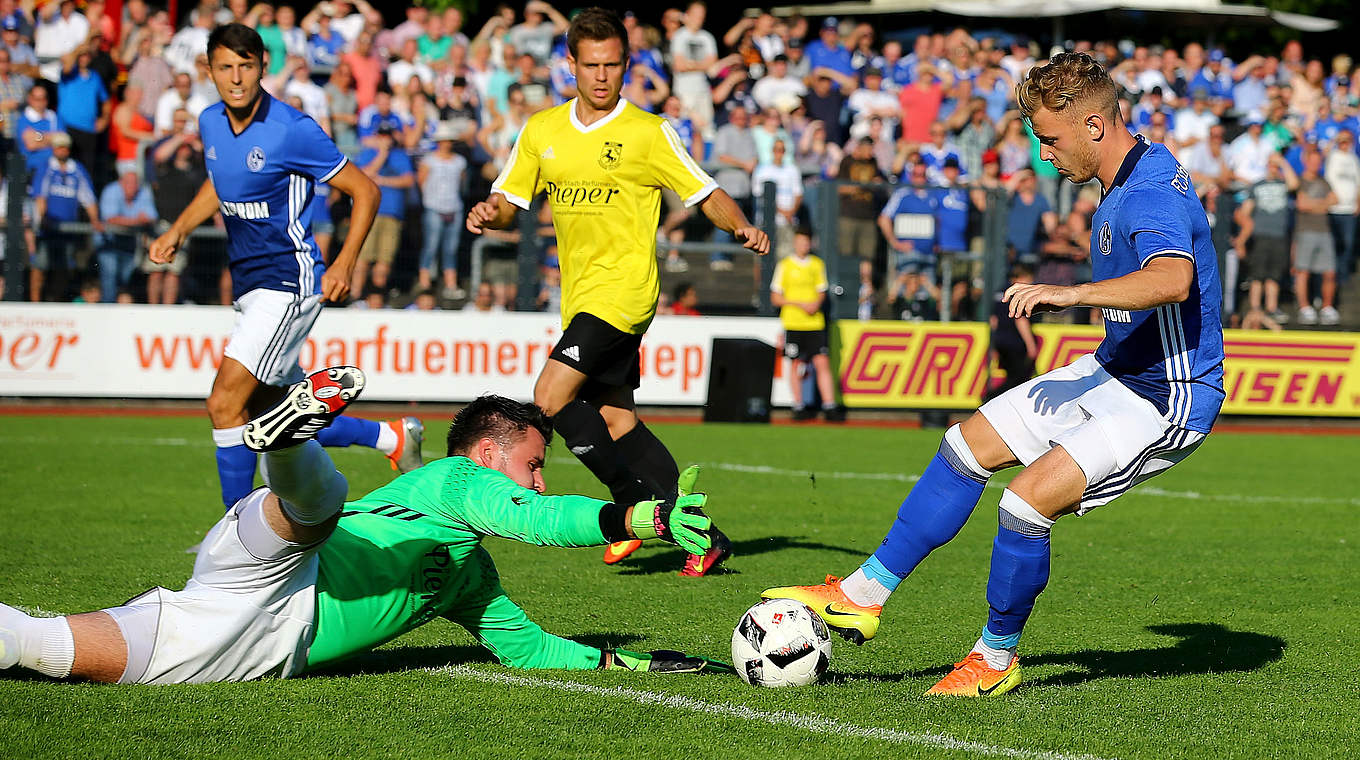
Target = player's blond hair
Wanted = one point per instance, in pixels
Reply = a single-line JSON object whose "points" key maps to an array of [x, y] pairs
{"points": [[1068, 81]]}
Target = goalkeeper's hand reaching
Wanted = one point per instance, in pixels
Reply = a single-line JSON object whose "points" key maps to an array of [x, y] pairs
{"points": [[661, 661], [681, 522]]}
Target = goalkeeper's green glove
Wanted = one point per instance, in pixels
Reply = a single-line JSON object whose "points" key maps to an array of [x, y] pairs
{"points": [[681, 522], [685, 484], [661, 661]]}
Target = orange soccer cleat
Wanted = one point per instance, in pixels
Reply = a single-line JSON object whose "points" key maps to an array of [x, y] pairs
{"points": [[620, 549], [975, 678], [856, 623]]}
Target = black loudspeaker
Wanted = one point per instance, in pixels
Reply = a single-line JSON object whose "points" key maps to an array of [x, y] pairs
{"points": [[740, 377]]}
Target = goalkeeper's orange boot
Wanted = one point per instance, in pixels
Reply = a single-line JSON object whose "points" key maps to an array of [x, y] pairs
{"points": [[975, 678], [410, 437], [620, 549], [854, 622]]}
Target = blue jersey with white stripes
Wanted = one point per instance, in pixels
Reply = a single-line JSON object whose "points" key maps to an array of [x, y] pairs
{"points": [[1171, 355], [265, 178]]}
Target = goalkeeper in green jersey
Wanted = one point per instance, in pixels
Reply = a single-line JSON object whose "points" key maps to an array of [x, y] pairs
{"points": [[293, 578]]}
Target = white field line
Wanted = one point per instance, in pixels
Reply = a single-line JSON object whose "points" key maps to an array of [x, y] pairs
{"points": [[783, 472], [812, 723]]}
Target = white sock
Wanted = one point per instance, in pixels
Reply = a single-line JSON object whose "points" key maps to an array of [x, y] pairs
{"points": [[306, 482], [863, 590], [387, 436], [997, 659], [43, 644], [225, 438]]}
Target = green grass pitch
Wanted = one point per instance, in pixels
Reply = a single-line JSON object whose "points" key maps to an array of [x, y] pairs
{"points": [[1210, 614]]}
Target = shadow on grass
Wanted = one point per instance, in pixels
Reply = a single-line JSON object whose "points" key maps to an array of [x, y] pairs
{"points": [[671, 560], [1202, 648], [419, 658]]}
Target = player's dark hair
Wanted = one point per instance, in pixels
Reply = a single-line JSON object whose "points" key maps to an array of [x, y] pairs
{"points": [[239, 39], [597, 24], [496, 417]]}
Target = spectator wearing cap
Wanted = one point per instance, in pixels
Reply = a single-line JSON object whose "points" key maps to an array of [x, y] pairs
{"points": [[61, 191], [1249, 154], [386, 163], [827, 56], [779, 89], [870, 100], [798, 62], [1342, 170], [1217, 80], [1151, 102], [21, 56], [908, 223], [1193, 122], [441, 176]]}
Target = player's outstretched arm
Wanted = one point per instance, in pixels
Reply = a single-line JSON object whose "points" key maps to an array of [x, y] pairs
{"points": [[494, 213], [1164, 280], [727, 216], [352, 182], [199, 210]]}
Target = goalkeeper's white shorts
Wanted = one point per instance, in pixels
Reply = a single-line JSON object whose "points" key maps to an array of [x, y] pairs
{"points": [[1116, 437], [271, 329], [239, 617]]}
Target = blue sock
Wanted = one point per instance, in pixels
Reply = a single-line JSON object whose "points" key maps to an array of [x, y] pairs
{"points": [[349, 431], [236, 471], [933, 513], [1020, 558]]}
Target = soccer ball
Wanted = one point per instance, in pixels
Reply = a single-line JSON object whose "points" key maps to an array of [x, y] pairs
{"points": [[781, 642]]}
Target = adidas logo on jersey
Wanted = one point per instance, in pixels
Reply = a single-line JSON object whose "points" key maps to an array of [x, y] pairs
{"points": [[211, 155], [548, 153], [572, 352]]}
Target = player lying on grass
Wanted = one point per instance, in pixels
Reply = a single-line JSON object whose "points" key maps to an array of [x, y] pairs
{"points": [[287, 582], [1085, 433]]}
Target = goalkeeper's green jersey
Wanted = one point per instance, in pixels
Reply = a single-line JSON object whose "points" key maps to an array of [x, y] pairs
{"points": [[409, 552]]}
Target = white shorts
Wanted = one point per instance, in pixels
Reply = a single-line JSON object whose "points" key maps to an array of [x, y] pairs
{"points": [[239, 617], [1116, 437], [271, 328]]}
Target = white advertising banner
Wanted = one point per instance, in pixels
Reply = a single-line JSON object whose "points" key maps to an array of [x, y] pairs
{"points": [[113, 351]]}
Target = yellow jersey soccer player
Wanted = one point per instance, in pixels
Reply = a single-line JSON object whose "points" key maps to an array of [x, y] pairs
{"points": [[602, 163]]}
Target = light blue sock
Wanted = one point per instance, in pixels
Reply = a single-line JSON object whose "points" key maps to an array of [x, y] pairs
{"points": [[350, 431]]}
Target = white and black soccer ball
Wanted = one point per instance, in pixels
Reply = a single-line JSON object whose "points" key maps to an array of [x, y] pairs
{"points": [[781, 642]]}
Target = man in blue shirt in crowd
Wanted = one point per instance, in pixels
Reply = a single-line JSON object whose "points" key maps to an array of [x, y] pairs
{"points": [[60, 191], [1029, 220], [951, 226], [126, 203], [908, 223], [264, 160], [1085, 433], [386, 163], [827, 52], [83, 105]]}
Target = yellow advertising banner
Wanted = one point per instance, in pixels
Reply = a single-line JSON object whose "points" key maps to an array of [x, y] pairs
{"points": [[928, 365]]}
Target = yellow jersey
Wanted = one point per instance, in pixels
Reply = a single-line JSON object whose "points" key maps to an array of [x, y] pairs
{"points": [[604, 182], [799, 280]]}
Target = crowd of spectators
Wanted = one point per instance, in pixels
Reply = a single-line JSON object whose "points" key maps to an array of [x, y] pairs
{"points": [[920, 131]]}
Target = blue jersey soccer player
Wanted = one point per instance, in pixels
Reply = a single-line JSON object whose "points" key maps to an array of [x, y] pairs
{"points": [[264, 160], [1085, 433]]}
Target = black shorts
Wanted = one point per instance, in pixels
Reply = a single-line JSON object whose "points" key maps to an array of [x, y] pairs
{"points": [[603, 353], [802, 345], [1267, 259]]}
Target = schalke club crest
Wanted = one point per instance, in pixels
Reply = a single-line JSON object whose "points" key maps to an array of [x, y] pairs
{"points": [[610, 155], [255, 159], [1105, 239]]}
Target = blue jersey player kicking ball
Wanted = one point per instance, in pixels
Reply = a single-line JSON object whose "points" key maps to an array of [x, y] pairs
{"points": [[264, 161], [1084, 433]]}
